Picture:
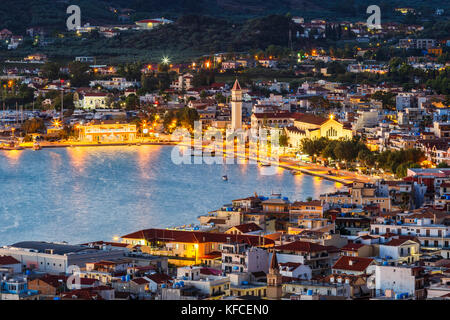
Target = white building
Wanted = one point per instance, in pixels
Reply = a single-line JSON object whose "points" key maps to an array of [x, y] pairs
{"points": [[430, 235], [55, 258], [295, 270], [115, 83], [399, 279], [207, 284], [404, 100], [400, 250], [240, 257]]}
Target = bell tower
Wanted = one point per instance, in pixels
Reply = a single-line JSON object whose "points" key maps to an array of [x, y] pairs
{"points": [[274, 279], [236, 106]]}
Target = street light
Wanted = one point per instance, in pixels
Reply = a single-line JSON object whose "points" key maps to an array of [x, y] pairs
{"points": [[165, 60]]}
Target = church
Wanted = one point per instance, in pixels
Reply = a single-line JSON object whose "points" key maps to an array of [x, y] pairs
{"points": [[314, 127]]}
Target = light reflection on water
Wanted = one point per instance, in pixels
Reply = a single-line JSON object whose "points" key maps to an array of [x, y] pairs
{"points": [[93, 193]]}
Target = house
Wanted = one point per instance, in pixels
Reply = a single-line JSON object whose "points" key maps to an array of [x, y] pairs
{"points": [[357, 250], [9, 266], [209, 285], [247, 228], [308, 209], [148, 24], [241, 257], [353, 265], [156, 280], [295, 270], [95, 100], [52, 285], [319, 258], [400, 251], [357, 284]]}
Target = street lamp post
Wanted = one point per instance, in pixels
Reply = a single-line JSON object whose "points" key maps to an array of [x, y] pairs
{"points": [[62, 102]]}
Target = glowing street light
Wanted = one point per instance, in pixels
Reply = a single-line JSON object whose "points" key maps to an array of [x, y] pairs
{"points": [[165, 60], [56, 123]]}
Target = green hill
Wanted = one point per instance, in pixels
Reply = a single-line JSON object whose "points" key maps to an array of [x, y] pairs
{"points": [[17, 15]]}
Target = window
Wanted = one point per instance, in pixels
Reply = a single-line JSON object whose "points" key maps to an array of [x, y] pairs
{"points": [[331, 132]]}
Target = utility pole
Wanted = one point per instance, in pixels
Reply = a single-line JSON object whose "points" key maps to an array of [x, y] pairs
{"points": [[62, 103]]}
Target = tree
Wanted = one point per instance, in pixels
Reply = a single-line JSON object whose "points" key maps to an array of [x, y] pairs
{"points": [[131, 102], [283, 139], [33, 125], [50, 70], [79, 74], [443, 165]]}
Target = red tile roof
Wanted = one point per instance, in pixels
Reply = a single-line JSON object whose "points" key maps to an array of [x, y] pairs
{"points": [[5, 260], [396, 242], [160, 278], [302, 246], [140, 281], [164, 235], [353, 263], [247, 227]]}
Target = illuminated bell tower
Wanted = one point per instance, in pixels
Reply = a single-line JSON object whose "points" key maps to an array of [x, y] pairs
{"points": [[236, 106]]}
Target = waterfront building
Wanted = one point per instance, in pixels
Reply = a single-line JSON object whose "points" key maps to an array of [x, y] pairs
{"points": [[55, 258], [107, 131], [188, 247]]}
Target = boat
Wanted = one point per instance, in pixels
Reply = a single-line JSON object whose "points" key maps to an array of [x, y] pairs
{"points": [[36, 146], [296, 172], [264, 164], [12, 146], [225, 178]]}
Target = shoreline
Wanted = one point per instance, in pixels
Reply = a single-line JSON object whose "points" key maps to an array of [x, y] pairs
{"points": [[282, 163]]}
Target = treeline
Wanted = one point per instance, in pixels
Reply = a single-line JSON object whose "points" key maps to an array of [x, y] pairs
{"points": [[355, 150]]}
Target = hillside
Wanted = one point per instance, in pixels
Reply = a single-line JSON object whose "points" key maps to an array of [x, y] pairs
{"points": [[17, 15]]}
